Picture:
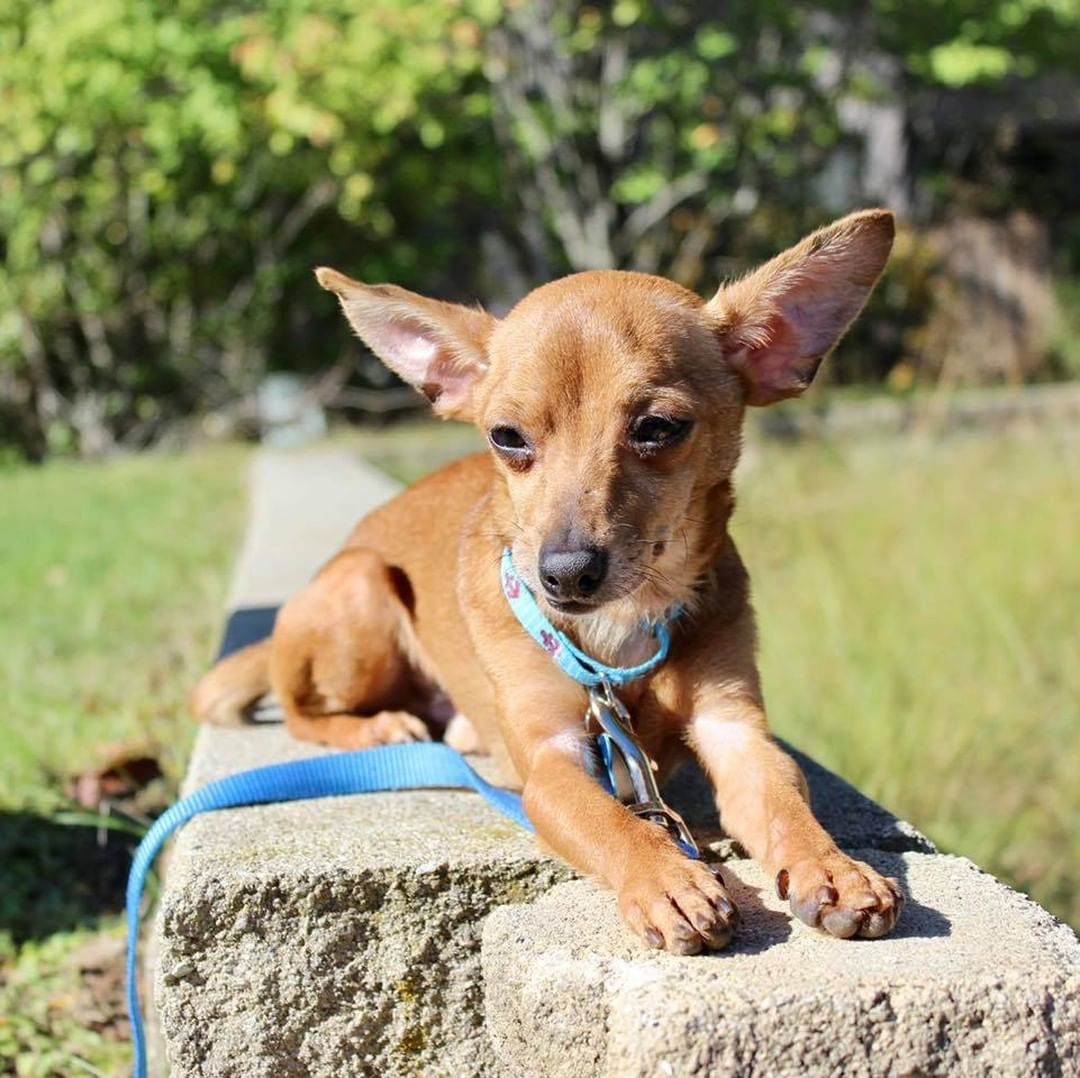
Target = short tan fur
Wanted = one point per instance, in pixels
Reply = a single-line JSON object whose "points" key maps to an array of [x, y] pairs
{"points": [[614, 404]]}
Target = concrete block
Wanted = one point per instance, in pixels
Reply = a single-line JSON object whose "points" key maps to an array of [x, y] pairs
{"points": [[303, 505], [342, 936], [976, 980], [337, 936]]}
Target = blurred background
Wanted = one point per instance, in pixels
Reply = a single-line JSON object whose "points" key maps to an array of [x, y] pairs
{"points": [[170, 174]]}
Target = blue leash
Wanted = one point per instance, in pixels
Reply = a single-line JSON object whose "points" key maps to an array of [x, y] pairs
{"points": [[389, 767]]}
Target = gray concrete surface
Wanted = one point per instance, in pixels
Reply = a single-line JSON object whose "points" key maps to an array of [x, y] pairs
{"points": [[975, 980], [339, 936], [303, 504], [422, 934]]}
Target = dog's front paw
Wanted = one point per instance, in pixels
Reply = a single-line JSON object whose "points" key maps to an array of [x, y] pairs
{"points": [[843, 896], [680, 906], [386, 728]]}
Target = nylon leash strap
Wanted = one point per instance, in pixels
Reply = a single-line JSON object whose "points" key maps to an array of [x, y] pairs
{"points": [[422, 765]]}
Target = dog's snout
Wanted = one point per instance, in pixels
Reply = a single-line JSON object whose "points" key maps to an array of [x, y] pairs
{"points": [[572, 574]]}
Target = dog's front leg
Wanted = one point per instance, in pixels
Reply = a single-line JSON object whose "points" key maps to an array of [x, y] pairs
{"points": [[667, 899], [763, 803]]}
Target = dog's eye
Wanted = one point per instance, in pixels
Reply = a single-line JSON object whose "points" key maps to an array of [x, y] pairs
{"points": [[510, 441], [658, 431]]}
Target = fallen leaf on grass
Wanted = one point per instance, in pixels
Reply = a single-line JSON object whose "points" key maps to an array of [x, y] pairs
{"points": [[124, 771]]}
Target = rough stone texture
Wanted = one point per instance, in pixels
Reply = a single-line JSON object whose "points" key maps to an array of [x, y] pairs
{"points": [[343, 936], [338, 936], [976, 980]]}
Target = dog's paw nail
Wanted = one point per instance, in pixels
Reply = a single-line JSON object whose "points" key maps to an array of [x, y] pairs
{"points": [[808, 909], [782, 880], [877, 924], [826, 895], [716, 934], [654, 939], [842, 923], [682, 932], [687, 946], [727, 908], [711, 928]]}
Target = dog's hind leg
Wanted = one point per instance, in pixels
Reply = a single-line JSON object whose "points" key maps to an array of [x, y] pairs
{"points": [[343, 659]]}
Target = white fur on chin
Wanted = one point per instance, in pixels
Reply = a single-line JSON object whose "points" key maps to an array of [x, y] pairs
{"points": [[613, 639], [617, 634]]}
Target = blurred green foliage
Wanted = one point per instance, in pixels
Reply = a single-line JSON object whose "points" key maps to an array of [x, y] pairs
{"points": [[170, 174], [960, 42], [646, 133]]}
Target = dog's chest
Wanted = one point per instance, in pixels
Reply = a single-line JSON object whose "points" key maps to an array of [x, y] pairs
{"points": [[615, 643]]}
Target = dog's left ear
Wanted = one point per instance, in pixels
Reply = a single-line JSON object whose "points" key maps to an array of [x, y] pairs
{"points": [[440, 348], [777, 324]]}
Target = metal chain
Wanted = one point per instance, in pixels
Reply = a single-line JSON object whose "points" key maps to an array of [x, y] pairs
{"points": [[618, 745]]}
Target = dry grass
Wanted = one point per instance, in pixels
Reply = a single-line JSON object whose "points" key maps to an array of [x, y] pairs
{"points": [[918, 610]]}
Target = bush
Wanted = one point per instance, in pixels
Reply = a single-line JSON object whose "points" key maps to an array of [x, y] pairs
{"points": [[171, 174]]}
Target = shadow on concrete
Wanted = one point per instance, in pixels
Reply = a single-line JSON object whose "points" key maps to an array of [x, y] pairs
{"points": [[760, 927], [860, 826], [55, 877], [248, 625], [918, 921]]}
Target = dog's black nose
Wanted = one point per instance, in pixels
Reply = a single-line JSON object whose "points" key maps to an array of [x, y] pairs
{"points": [[572, 574]]}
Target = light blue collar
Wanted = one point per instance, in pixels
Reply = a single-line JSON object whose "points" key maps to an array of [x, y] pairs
{"points": [[571, 659]]}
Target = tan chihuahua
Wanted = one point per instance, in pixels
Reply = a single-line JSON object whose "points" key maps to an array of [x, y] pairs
{"points": [[613, 404]]}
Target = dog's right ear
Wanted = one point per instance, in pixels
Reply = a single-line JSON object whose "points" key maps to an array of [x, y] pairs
{"points": [[440, 348]]}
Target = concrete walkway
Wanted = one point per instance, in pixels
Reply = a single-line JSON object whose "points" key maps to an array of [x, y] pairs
{"points": [[423, 934]]}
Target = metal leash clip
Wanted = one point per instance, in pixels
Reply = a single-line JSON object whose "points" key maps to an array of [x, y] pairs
{"points": [[630, 773]]}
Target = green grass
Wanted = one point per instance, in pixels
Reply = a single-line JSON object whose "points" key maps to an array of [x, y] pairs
{"points": [[114, 578], [918, 606], [918, 611], [50, 1023], [113, 585]]}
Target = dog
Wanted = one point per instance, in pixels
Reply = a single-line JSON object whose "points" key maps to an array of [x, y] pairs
{"points": [[613, 405]]}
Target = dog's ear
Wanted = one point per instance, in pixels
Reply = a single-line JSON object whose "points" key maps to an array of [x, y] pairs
{"points": [[778, 323], [440, 348]]}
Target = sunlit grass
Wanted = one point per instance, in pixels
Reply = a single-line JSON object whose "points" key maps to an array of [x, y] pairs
{"points": [[918, 606], [113, 580]]}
